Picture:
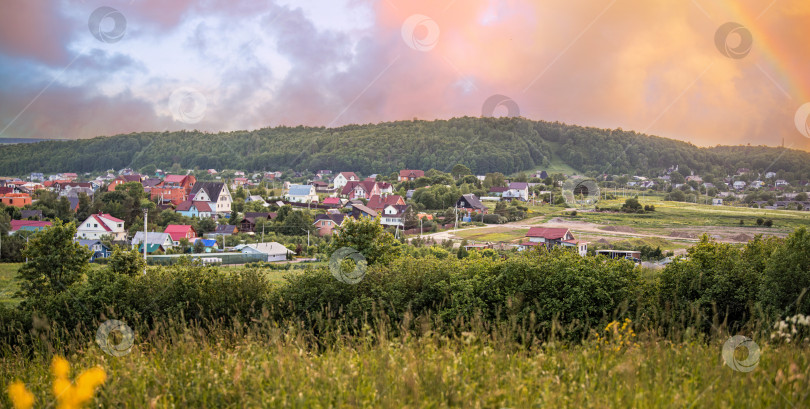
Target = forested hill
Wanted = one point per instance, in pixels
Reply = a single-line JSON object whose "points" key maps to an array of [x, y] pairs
{"points": [[505, 145]]}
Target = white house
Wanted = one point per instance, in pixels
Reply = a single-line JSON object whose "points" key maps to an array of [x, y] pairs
{"points": [[153, 237], [344, 177], [302, 194], [739, 185], [770, 175], [780, 183], [274, 251], [757, 184], [517, 190], [392, 215], [256, 198], [215, 193], [98, 225]]}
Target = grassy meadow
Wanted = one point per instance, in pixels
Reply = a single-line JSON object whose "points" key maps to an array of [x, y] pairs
{"points": [[272, 368]]}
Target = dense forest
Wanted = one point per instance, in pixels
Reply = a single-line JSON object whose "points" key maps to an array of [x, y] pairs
{"points": [[506, 145]]}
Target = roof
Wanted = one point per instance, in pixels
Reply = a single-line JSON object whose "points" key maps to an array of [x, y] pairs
{"points": [[411, 173], [498, 189], [347, 175], [90, 242], [379, 202], [31, 213], [300, 190], [518, 185], [152, 237], [272, 248], [150, 248], [178, 231], [473, 201], [199, 205], [254, 215], [174, 178], [29, 224], [547, 232], [131, 178], [331, 200], [365, 210], [336, 218], [213, 189], [348, 187], [151, 182], [225, 229]]}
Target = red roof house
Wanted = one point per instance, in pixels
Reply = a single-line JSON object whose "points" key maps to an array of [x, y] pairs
{"points": [[180, 231]]}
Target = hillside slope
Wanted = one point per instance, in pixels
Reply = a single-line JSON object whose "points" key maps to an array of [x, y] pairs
{"points": [[505, 145]]}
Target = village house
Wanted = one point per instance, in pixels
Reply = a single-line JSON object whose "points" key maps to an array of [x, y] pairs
{"points": [[517, 190], [553, 237], [216, 194], [28, 225], [99, 249], [393, 215], [98, 225], [344, 177], [781, 183], [770, 175], [154, 241], [124, 179], [361, 210], [410, 174], [302, 194], [272, 250], [180, 231], [378, 202], [194, 209], [739, 185], [248, 224], [326, 223], [224, 230], [174, 189], [471, 203], [15, 199]]}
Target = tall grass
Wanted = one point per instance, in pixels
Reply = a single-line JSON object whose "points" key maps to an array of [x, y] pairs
{"points": [[270, 364]]}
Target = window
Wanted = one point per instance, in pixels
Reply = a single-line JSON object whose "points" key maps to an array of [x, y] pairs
{"points": [[95, 225]]}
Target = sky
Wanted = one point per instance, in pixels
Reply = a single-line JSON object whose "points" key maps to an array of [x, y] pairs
{"points": [[709, 72]]}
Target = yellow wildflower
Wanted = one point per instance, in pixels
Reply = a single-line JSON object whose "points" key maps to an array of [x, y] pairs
{"points": [[20, 397], [60, 367]]}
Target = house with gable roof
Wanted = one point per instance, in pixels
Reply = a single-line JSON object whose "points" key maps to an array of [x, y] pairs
{"points": [[194, 209], [378, 202], [344, 177], [101, 224], [410, 174], [302, 194], [325, 223], [517, 190], [216, 194], [550, 238]]}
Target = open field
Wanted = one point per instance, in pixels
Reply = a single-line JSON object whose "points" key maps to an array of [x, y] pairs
{"points": [[8, 284], [266, 370]]}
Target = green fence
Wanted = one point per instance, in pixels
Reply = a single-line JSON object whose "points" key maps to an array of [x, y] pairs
{"points": [[227, 258]]}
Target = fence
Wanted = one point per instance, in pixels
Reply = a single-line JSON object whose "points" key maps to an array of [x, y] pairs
{"points": [[227, 258]]}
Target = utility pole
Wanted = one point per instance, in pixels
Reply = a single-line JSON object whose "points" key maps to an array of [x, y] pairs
{"points": [[144, 243]]}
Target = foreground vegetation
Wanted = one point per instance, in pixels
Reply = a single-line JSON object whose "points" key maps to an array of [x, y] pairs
{"points": [[422, 328], [268, 366]]}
